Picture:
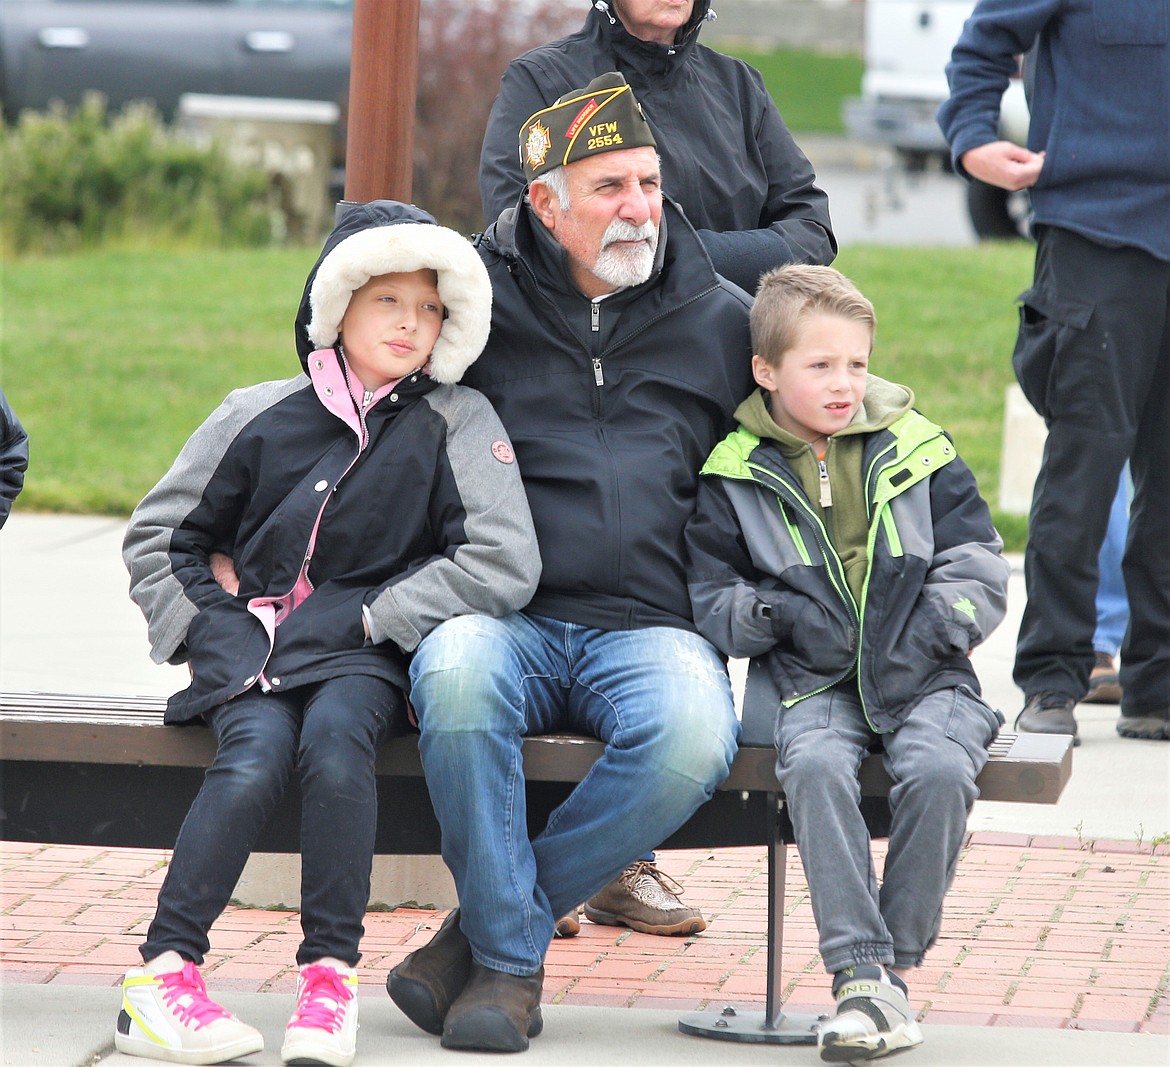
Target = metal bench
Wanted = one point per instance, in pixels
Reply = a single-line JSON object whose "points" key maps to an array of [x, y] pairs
{"points": [[103, 770]]}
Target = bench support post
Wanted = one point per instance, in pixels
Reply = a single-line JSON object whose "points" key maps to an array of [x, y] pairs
{"points": [[771, 1026]]}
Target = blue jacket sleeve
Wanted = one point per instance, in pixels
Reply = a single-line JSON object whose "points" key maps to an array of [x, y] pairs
{"points": [[982, 63]]}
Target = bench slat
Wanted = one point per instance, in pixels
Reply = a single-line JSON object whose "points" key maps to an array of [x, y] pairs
{"points": [[118, 730]]}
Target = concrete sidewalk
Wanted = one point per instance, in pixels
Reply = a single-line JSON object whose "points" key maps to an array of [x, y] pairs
{"points": [[77, 1024], [1054, 948]]}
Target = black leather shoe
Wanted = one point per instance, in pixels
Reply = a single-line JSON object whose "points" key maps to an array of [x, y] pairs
{"points": [[1048, 713], [497, 1012], [430, 979]]}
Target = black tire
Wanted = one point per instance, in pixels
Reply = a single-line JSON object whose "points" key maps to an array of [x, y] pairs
{"points": [[996, 214]]}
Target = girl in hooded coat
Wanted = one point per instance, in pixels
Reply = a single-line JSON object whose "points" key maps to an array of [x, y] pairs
{"points": [[309, 535]]}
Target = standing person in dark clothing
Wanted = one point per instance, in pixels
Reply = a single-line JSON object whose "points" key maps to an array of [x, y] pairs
{"points": [[1093, 351], [13, 457]]}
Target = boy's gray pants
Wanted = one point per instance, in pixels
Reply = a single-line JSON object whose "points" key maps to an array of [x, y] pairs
{"points": [[933, 758]]}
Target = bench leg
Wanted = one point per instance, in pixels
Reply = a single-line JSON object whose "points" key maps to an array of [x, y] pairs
{"points": [[771, 1026]]}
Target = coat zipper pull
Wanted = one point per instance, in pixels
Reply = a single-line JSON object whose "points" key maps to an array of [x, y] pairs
{"points": [[826, 489], [598, 377], [595, 316], [367, 397]]}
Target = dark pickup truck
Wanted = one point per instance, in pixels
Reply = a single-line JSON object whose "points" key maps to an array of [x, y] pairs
{"points": [[159, 49]]}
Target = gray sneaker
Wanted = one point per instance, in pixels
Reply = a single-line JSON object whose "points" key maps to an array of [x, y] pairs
{"points": [[646, 900], [1048, 713], [1149, 726]]}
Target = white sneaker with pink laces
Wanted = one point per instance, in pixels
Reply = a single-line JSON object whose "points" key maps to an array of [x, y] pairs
{"points": [[324, 1027], [167, 1015]]}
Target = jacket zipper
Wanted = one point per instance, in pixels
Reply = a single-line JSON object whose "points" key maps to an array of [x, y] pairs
{"points": [[826, 491], [595, 317], [595, 327]]}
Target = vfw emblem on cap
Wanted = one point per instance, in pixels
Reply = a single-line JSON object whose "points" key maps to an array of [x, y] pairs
{"points": [[537, 145]]}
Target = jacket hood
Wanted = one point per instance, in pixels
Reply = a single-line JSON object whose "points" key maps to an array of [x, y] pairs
{"points": [[384, 237], [884, 403]]}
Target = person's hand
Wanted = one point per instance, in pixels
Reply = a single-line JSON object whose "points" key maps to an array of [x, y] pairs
{"points": [[1004, 164], [223, 570]]}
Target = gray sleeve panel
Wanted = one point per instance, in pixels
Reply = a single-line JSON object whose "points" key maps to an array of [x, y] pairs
{"points": [[497, 570], [966, 578], [967, 585], [146, 547]]}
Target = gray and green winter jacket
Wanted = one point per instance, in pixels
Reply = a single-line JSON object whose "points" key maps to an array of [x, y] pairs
{"points": [[767, 580]]}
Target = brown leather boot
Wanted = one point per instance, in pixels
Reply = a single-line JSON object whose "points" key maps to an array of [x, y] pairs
{"points": [[1104, 685], [568, 925], [430, 979], [497, 1012]]}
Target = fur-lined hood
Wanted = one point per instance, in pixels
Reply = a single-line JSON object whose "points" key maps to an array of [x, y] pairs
{"points": [[382, 237]]}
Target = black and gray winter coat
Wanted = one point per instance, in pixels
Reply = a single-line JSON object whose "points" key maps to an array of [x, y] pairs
{"points": [[612, 405], [405, 505], [767, 581], [727, 157]]}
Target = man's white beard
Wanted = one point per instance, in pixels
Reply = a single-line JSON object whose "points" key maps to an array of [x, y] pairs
{"points": [[620, 264]]}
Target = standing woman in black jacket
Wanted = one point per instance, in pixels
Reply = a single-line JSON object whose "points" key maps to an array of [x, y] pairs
{"points": [[727, 156]]}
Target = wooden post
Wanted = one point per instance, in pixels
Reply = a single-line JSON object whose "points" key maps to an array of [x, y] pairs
{"points": [[382, 82]]}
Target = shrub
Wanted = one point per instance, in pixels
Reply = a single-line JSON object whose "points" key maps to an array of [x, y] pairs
{"points": [[81, 179], [463, 50]]}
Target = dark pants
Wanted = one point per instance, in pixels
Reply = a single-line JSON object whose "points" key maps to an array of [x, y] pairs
{"points": [[330, 732], [1093, 358]]}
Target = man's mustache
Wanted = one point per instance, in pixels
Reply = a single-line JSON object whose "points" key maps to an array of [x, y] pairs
{"points": [[619, 230]]}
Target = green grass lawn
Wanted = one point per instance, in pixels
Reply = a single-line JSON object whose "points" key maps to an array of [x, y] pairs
{"points": [[111, 359], [946, 327], [808, 86]]}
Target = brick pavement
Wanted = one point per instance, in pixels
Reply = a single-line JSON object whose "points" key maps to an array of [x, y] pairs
{"points": [[1038, 932]]}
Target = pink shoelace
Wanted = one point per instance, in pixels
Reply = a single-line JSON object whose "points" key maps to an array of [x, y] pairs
{"points": [[186, 995], [322, 1000]]}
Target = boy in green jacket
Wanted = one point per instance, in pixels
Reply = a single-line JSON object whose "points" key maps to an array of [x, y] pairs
{"points": [[839, 537]]}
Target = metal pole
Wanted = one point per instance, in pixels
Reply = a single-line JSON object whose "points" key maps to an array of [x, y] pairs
{"points": [[382, 83]]}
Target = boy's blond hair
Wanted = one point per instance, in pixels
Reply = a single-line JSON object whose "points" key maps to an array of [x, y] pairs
{"points": [[787, 295]]}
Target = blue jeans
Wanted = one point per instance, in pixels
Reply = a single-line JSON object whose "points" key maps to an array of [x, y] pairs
{"points": [[1112, 604], [933, 758], [330, 732], [659, 698]]}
